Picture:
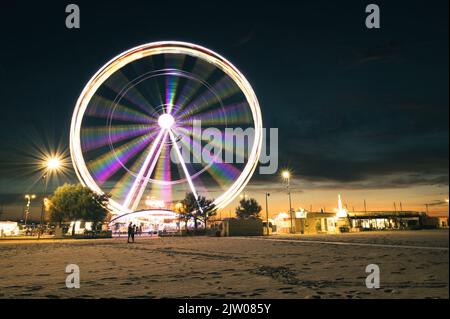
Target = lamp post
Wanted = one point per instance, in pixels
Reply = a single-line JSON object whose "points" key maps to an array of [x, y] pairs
{"points": [[267, 213], [27, 210], [244, 196], [52, 164], [287, 178]]}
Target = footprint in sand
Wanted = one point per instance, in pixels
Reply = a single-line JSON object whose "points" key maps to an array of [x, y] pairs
{"points": [[34, 288]]}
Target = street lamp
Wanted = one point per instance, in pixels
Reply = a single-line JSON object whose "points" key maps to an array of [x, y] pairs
{"points": [[267, 213], [27, 210], [286, 175], [51, 164], [244, 196]]}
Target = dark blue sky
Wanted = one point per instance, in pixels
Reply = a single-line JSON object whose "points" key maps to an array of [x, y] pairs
{"points": [[353, 106]]}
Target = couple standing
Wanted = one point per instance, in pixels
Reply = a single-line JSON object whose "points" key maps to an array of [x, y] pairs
{"points": [[131, 232]]}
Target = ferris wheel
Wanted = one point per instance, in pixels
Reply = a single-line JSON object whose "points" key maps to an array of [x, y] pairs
{"points": [[155, 123]]}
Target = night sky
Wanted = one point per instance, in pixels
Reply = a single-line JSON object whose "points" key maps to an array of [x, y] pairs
{"points": [[360, 112]]}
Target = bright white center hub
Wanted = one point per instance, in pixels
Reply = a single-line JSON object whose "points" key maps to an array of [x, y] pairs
{"points": [[166, 121]]}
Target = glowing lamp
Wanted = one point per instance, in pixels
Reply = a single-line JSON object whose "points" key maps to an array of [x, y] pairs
{"points": [[53, 163]]}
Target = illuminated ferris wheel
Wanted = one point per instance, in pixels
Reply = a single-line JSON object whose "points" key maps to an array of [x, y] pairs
{"points": [[155, 122]]}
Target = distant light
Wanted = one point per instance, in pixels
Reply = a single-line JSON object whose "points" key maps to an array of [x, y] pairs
{"points": [[286, 174], [166, 121]]}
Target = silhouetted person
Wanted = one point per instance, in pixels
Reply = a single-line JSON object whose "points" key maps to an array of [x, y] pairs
{"points": [[134, 227], [130, 232]]}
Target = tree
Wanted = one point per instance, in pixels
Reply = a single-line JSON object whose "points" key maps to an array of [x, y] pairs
{"points": [[248, 208], [189, 208], [74, 202], [208, 210]]}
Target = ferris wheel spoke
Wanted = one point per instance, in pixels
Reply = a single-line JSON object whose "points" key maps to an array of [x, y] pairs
{"points": [[171, 84], [135, 188], [183, 165], [143, 185]]}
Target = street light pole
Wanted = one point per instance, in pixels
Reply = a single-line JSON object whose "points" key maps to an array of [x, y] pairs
{"points": [[27, 210], [287, 176], [45, 180], [267, 214], [290, 210], [52, 164]]}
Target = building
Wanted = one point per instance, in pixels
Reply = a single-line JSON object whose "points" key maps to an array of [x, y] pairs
{"points": [[379, 220], [433, 222], [8, 228], [241, 227]]}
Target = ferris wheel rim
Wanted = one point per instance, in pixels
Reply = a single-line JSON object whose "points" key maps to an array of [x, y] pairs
{"points": [[165, 47]]}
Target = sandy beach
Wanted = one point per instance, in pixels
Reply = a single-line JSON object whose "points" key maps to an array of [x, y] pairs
{"points": [[413, 264]]}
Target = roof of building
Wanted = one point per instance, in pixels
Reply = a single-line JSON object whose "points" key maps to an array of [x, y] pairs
{"points": [[384, 214]]}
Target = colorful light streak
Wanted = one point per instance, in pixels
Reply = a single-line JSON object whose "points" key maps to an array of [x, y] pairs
{"points": [[96, 137], [221, 90], [106, 165], [126, 89], [102, 107]]}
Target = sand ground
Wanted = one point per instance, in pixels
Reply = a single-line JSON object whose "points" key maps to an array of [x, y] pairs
{"points": [[413, 264]]}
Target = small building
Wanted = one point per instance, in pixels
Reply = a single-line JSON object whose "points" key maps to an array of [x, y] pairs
{"points": [[443, 222], [241, 227], [318, 223], [433, 222], [379, 220], [8, 228], [304, 222]]}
